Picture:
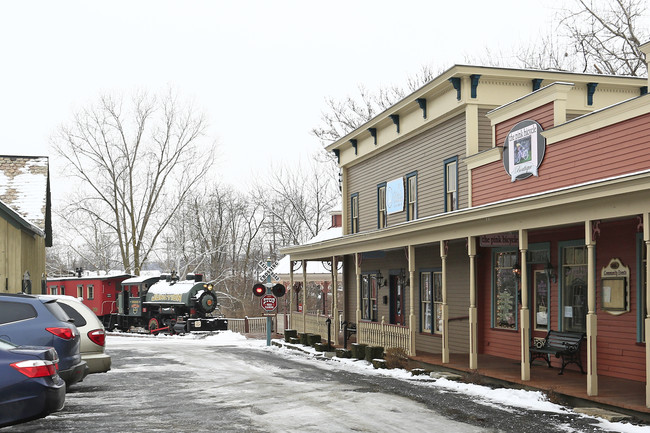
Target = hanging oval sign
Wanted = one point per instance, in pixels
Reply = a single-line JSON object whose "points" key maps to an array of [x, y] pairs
{"points": [[523, 150]]}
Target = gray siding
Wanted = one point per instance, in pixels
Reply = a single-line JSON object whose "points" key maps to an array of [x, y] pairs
{"points": [[424, 154], [484, 130]]}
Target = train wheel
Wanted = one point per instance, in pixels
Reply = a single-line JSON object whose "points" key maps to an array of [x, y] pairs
{"points": [[154, 323]]}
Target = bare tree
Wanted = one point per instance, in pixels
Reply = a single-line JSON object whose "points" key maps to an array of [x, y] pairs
{"points": [[606, 35], [89, 243], [218, 233], [345, 115], [296, 202], [136, 163], [601, 37]]}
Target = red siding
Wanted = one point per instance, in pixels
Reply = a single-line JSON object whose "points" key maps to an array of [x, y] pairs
{"points": [[542, 115], [611, 151]]}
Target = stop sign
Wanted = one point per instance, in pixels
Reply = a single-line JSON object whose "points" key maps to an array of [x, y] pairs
{"points": [[269, 302]]}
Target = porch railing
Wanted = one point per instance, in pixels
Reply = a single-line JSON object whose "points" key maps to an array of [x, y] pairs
{"points": [[248, 325], [313, 324], [385, 335]]}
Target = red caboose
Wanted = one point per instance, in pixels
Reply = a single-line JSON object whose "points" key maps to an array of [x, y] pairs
{"points": [[99, 293]]}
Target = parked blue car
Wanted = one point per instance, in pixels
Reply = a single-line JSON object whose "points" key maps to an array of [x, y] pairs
{"points": [[29, 384], [29, 321]]}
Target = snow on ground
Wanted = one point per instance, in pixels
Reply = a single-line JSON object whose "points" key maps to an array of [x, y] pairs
{"points": [[499, 397]]}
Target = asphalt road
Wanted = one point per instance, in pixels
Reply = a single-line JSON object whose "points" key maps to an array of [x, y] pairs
{"points": [[186, 387]]}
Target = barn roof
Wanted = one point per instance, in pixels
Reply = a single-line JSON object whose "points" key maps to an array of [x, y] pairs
{"points": [[25, 188]]}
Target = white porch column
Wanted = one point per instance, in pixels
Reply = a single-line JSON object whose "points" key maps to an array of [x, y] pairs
{"points": [[304, 296], [524, 314], [445, 307], [357, 267], [473, 313], [291, 294], [646, 240], [335, 309], [592, 324], [411, 258]]}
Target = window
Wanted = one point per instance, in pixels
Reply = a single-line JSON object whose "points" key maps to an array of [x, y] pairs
{"points": [[354, 213], [411, 196], [451, 184], [80, 291], [54, 290], [542, 294], [381, 206], [369, 297], [15, 312], [91, 292], [431, 300], [504, 290], [574, 288]]}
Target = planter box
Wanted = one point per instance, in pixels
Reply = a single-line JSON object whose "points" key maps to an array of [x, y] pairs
{"points": [[359, 350], [289, 334], [294, 340], [378, 363], [374, 352], [343, 353], [312, 339], [303, 339]]}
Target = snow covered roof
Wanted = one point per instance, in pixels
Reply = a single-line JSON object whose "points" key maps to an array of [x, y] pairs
{"points": [[24, 187], [313, 267]]}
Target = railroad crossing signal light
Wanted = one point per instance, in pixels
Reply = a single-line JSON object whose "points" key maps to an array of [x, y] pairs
{"points": [[279, 290], [259, 289]]}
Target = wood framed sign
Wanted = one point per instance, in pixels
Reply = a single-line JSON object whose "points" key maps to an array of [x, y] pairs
{"points": [[615, 288]]}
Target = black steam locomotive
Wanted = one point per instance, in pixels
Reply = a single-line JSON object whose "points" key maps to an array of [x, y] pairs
{"points": [[167, 304]]}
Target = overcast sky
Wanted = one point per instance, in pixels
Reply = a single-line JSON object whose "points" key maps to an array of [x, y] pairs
{"points": [[260, 70]]}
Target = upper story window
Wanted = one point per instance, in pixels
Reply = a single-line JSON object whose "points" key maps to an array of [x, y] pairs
{"points": [[451, 184], [354, 213], [54, 290], [80, 291], [91, 292], [381, 206], [411, 196]]}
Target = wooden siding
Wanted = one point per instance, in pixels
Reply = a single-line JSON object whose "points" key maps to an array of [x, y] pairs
{"points": [[606, 152], [19, 252], [424, 154], [542, 115], [484, 130]]}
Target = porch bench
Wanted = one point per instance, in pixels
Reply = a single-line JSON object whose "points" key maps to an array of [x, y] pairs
{"points": [[565, 345]]}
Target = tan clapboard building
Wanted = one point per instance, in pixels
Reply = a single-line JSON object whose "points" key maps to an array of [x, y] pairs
{"points": [[25, 223], [493, 206]]}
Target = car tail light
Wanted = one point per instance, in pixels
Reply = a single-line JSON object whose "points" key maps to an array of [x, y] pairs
{"points": [[36, 368], [65, 333], [97, 336]]}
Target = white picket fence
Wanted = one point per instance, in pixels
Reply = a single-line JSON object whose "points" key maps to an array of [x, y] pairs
{"points": [[384, 335]]}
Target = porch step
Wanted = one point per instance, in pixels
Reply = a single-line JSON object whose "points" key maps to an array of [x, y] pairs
{"points": [[603, 413]]}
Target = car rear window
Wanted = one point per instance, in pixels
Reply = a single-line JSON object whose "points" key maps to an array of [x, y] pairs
{"points": [[15, 311], [74, 314], [56, 310]]}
